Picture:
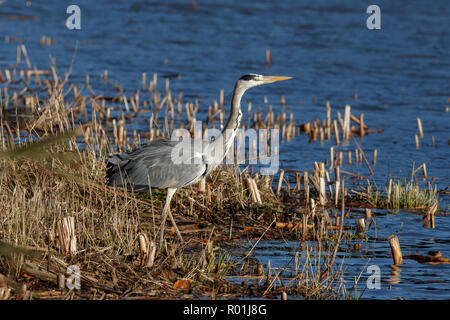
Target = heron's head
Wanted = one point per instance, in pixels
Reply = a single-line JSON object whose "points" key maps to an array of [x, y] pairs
{"points": [[252, 80]]}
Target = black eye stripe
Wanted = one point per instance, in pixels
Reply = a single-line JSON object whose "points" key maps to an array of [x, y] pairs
{"points": [[247, 77]]}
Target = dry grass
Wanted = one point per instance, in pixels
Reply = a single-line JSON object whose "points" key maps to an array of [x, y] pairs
{"points": [[36, 195], [45, 177]]}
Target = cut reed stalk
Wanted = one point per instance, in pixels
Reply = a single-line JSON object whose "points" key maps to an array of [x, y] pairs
{"points": [[336, 131], [202, 185], [67, 237], [322, 192], [280, 182], [360, 226], [306, 187], [368, 214], [361, 125], [419, 126], [395, 249], [346, 128]]}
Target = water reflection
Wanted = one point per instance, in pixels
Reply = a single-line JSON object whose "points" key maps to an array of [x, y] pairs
{"points": [[394, 277]]}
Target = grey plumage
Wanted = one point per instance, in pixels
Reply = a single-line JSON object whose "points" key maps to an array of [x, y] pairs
{"points": [[154, 165]]}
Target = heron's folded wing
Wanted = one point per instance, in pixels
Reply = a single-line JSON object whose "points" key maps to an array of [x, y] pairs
{"points": [[156, 164]]}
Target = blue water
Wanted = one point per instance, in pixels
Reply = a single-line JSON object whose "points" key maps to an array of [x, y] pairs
{"points": [[411, 280], [399, 73]]}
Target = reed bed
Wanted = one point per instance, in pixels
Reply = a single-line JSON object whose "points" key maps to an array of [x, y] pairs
{"points": [[56, 212], [398, 194]]}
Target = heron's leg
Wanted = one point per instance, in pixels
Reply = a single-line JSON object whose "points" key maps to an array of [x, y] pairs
{"points": [[170, 193], [175, 225]]}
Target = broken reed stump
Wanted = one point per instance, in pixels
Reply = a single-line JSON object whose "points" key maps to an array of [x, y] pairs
{"points": [[304, 227], [346, 127], [389, 191], [429, 217], [368, 213], [147, 251], [322, 192], [280, 182], [297, 182], [419, 125], [4, 293], [4, 290], [144, 80], [396, 251], [337, 221], [337, 171], [360, 226], [202, 185], [67, 237], [61, 281], [254, 192], [250, 188], [268, 58], [331, 157], [423, 166], [336, 131], [306, 187], [361, 125], [260, 270], [24, 293]]}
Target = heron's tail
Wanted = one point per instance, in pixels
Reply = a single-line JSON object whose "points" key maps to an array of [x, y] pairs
{"points": [[114, 170]]}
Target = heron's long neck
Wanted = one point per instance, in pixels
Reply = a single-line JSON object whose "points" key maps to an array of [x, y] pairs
{"points": [[234, 119], [228, 134]]}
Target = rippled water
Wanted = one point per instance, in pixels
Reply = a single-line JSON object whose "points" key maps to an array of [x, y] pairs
{"points": [[411, 280], [399, 73]]}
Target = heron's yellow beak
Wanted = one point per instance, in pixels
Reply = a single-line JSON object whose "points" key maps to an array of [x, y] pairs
{"points": [[270, 79]]}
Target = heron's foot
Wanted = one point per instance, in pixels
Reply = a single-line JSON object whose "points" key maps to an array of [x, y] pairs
{"points": [[162, 231]]}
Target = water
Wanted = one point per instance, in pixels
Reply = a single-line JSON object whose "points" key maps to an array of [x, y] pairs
{"points": [[399, 73], [411, 280]]}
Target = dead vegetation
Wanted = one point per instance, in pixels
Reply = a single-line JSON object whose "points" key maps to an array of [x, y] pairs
{"points": [[56, 212]]}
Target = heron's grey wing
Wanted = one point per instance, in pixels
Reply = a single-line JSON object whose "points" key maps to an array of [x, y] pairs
{"points": [[155, 164]]}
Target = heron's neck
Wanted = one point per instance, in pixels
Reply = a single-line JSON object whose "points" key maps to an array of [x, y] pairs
{"points": [[226, 138], [234, 120]]}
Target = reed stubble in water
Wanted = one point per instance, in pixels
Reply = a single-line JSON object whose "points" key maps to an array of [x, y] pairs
{"points": [[114, 229], [109, 233]]}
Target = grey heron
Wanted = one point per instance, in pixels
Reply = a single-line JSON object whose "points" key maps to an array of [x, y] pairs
{"points": [[153, 165]]}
